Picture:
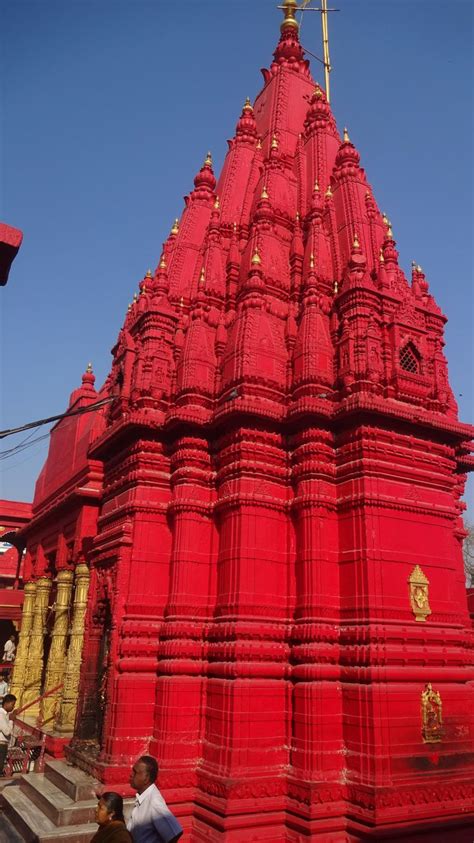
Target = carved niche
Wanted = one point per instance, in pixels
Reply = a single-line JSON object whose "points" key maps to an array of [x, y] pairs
{"points": [[418, 584], [431, 715]]}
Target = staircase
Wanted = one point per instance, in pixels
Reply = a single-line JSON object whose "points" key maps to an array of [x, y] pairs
{"points": [[56, 806]]}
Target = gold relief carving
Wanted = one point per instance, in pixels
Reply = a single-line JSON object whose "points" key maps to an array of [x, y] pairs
{"points": [[57, 652], [431, 715], [19, 670], [418, 584], [67, 710]]}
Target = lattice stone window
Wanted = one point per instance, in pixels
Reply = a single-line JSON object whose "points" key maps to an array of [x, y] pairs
{"points": [[409, 359]]}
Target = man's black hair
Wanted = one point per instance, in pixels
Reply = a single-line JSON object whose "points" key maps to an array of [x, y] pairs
{"points": [[151, 765], [9, 698]]}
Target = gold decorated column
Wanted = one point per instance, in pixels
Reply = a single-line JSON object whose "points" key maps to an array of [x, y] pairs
{"points": [[34, 664], [19, 669], [67, 711], [57, 653]]}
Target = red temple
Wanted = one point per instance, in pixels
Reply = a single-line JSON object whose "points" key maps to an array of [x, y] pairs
{"points": [[270, 508]]}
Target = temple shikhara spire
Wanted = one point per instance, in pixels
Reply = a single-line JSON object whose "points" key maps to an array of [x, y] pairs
{"points": [[253, 551]]}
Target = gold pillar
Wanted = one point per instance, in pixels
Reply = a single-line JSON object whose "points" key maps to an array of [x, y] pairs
{"points": [[67, 711], [34, 664], [19, 669], [57, 653]]}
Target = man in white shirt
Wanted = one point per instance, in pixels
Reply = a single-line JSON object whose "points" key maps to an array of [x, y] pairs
{"points": [[3, 686], [7, 715], [9, 649], [151, 820]]}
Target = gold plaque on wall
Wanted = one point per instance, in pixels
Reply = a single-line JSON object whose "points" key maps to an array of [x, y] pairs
{"points": [[431, 715], [419, 598]]}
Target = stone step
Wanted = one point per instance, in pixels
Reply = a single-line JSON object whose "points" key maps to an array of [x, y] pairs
{"points": [[8, 832], [73, 782], [36, 827], [57, 805]]}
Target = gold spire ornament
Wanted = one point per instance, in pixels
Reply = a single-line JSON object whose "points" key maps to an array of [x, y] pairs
{"points": [[148, 273], [175, 226], [248, 105], [217, 204], [316, 187], [289, 8], [274, 143], [311, 261], [256, 259], [208, 160], [259, 143], [264, 194], [89, 368], [162, 262], [202, 277], [328, 193], [346, 136], [355, 243]]}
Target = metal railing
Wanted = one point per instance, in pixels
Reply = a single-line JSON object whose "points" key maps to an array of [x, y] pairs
{"points": [[28, 751]]}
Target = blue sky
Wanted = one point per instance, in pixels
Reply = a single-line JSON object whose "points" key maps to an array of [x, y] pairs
{"points": [[108, 109]]}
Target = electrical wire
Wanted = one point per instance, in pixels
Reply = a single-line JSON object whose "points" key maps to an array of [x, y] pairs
{"points": [[89, 409]]}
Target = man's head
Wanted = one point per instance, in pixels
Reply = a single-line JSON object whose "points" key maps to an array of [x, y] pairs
{"points": [[9, 701], [12, 638], [144, 773]]}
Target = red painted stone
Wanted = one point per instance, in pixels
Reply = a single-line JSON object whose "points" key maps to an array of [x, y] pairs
{"points": [[282, 449], [10, 241]]}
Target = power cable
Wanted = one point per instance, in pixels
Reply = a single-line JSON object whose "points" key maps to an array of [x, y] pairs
{"points": [[89, 409]]}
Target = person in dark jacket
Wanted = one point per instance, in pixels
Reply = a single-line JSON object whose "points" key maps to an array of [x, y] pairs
{"points": [[109, 817]]}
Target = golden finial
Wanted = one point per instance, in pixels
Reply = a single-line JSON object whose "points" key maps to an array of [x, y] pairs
{"points": [[202, 277], [274, 143], [248, 105], [289, 8], [217, 204], [336, 288], [346, 136], [328, 193], [143, 290], [89, 368], [162, 262], [311, 261], [381, 256], [389, 232], [264, 194], [297, 217], [129, 306], [318, 92], [419, 269], [259, 143], [175, 227], [234, 227], [356, 244], [208, 160], [181, 302], [256, 259], [148, 273], [385, 219], [316, 187], [135, 298]]}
